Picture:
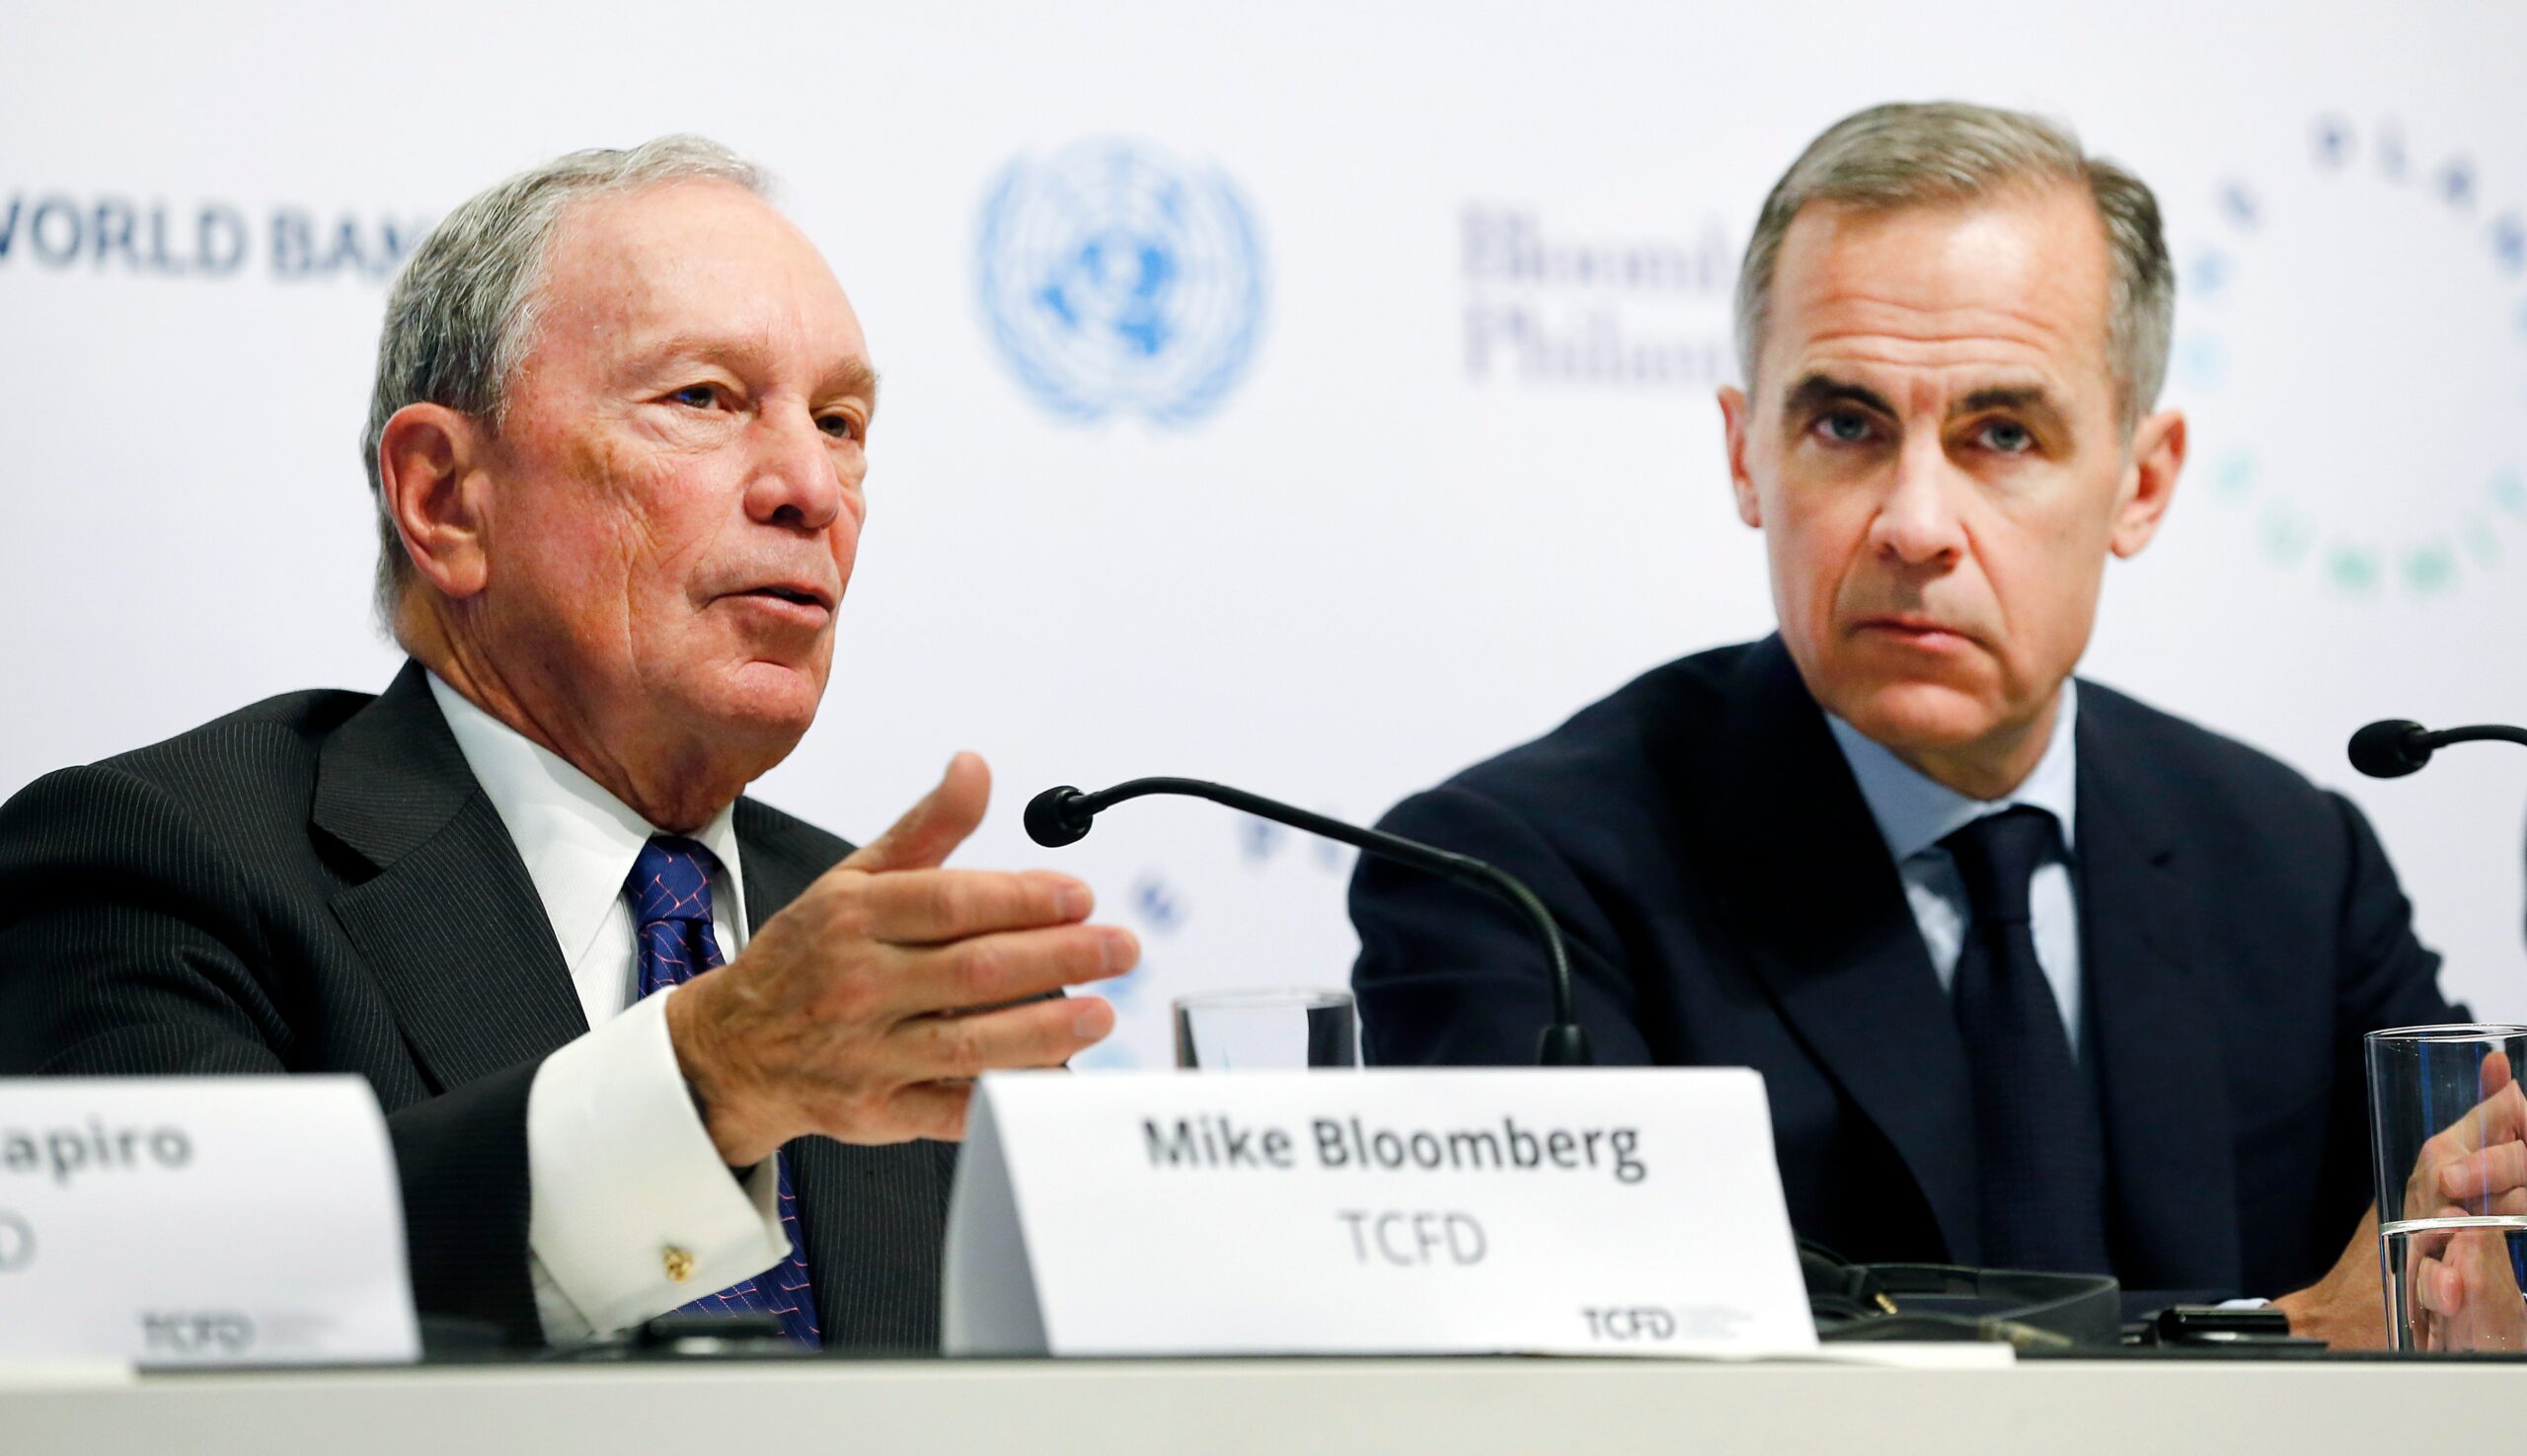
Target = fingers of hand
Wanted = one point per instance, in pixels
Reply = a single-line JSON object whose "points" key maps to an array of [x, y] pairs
{"points": [[2437, 1287], [2497, 1118], [1040, 1034], [1011, 966], [932, 829], [2484, 1175], [923, 908], [2500, 1118]]}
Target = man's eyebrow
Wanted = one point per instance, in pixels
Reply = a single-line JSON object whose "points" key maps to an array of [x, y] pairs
{"points": [[2022, 397], [850, 376], [706, 349], [853, 377], [1816, 391]]}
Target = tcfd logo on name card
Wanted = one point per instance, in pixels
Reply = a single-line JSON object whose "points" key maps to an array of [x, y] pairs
{"points": [[1116, 279], [2354, 332]]}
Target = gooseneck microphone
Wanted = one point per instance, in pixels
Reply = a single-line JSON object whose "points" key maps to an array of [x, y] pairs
{"points": [[1063, 816], [2393, 747]]}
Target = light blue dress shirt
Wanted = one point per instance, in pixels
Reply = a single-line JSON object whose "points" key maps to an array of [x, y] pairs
{"points": [[1915, 813]]}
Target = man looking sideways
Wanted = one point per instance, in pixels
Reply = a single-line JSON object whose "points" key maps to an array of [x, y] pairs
{"points": [[2037, 976]]}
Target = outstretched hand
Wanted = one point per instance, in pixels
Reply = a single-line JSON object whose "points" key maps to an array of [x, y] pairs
{"points": [[865, 1009]]}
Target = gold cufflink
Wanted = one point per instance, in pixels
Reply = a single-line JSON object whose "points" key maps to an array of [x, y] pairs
{"points": [[679, 1264]]}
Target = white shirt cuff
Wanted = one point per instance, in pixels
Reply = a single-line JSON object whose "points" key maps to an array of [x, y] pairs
{"points": [[626, 1187]]}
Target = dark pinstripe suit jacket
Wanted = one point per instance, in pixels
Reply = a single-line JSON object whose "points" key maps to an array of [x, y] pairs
{"points": [[316, 883]]}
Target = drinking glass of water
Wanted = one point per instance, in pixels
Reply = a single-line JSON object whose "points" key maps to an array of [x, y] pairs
{"points": [[1271, 1031], [2448, 1119]]}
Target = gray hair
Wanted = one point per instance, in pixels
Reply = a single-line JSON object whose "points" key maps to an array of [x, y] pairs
{"points": [[463, 312], [1911, 154]]}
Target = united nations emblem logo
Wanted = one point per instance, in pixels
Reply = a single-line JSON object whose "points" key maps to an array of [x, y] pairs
{"points": [[1117, 279]]}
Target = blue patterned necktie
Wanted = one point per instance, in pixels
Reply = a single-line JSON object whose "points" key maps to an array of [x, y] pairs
{"points": [[671, 894], [2038, 1149]]}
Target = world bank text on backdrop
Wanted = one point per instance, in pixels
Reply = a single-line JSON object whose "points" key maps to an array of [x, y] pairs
{"points": [[116, 235], [1543, 306]]}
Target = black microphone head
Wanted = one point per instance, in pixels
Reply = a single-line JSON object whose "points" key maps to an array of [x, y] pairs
{"points": [[1054, 818], [2389, 748]]}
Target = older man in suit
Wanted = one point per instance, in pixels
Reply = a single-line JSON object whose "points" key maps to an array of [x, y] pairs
{"points": [[617, 445], [2037, 976]]}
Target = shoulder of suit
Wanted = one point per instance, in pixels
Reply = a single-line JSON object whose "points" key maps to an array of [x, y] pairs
{"points": [[2192, 762], [766, 830], [287, 730], [248, 774], [1608, 756]]}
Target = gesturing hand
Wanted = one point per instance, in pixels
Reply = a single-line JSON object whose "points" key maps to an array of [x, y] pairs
{"points": [[866, 1007]]}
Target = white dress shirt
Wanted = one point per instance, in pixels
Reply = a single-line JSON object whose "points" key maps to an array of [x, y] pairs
{"points": [[620, 1169], [1914, 813]]}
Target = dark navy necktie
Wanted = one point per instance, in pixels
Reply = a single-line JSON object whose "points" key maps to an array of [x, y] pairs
{"points": [[671, 894], [2039, 1148]]}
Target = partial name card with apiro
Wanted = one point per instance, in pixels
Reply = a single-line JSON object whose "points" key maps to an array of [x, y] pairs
{"points": [[201, 1221]]}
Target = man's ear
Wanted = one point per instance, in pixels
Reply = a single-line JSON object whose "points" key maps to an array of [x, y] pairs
{"points": [[2149, 482], [1736, 416], [430, 471]]}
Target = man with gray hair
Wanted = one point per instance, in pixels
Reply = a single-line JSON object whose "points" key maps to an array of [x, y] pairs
{"points": [[2037, 976], [617, 445]]}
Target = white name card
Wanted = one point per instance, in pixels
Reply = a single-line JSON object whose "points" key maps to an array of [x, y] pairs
{"points": [[201, 1221], [1428, 1212]]}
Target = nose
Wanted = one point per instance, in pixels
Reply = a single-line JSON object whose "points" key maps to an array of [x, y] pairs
{"points": [[798, 476], [1917, 522]]}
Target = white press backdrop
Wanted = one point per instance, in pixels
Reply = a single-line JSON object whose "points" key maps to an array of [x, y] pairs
{"points": [[1430, 459]]}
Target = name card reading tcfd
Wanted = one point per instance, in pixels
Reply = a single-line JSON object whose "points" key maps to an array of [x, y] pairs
{"points": [[1567, 1211], [200, 1220]]}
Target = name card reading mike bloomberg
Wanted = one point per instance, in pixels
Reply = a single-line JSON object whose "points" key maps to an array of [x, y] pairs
{"points": [[1598, 1210], [1403, 1236], [1217, 1141]]}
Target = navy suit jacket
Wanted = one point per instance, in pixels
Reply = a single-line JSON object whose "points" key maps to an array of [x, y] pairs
{"points": [[317, 883], [1730, 902]]}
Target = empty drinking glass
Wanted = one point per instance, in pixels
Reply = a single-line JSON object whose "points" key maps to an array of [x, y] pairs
{"points": [[1275, 1029]]}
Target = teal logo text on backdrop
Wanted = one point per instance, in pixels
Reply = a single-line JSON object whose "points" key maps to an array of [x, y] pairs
{"points": [[1116, 279], [2365, 420]]}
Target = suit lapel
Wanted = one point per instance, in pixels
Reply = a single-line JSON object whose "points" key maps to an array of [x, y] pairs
{"points": [[450, 922], [1828, 930], [2171, 1174], [776, 873], [870, 1216]]}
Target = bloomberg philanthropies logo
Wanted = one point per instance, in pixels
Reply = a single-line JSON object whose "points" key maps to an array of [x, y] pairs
{"points": [[1546, 305], [115, 234]]}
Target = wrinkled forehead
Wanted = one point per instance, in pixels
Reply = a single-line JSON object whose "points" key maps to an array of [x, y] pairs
{"points": [[696, 262], [2010, 288]]}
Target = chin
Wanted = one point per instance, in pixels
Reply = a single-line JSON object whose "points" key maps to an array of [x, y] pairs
{"points": [[1928, 716], [770, 703]]}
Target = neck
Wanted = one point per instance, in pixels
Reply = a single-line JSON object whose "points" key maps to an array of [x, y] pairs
{"points": [[1993, 766], [679, 791]]}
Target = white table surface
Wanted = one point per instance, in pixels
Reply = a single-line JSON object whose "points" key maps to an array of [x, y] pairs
{"points": [[1322, 1408]]}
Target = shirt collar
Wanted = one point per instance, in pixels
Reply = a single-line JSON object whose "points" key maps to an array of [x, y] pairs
{"points": [[1915, 811], [577, 840]]}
